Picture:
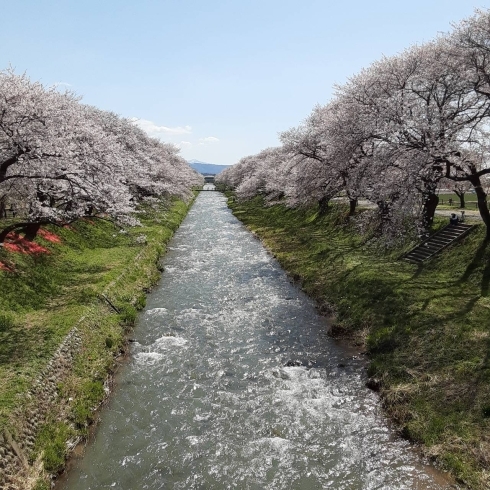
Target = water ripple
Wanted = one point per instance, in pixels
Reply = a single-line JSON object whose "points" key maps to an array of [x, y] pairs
{"points": [[233, 384]]}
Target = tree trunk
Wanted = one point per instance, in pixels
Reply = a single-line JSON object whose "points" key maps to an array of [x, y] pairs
{"points": [[481, 195], [462, 203], [4, 233], [3, 209], [4, 166], [384, 209], [430, 205], [8, 229], [323, 205], [31, 231], [352, 206]]}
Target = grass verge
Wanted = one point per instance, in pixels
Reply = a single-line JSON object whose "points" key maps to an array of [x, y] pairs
{"points": [[426, 328], [96, 279]]}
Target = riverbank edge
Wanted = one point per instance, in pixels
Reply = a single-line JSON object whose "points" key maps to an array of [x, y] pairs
{"points": [[272, 225], [61, 404]]}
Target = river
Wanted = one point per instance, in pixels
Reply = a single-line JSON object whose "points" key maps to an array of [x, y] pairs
{"points": [[232, 383]]}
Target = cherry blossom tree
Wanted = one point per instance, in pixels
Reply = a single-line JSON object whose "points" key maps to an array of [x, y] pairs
{"points": [[391, 134], [423, 104], [315, 168], [469, 46], [61, 160]]}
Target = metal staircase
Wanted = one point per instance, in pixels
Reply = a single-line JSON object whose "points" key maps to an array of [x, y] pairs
{"points": [[437, 242]]}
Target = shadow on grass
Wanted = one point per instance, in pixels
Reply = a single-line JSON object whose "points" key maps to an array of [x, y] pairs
{"points": [[13, 341], [453, 297], [480, 261], [31, 287], [418, 272]]}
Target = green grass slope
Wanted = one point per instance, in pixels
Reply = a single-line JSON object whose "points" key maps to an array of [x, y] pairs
{"points": [[95, 279], [426, 329]]}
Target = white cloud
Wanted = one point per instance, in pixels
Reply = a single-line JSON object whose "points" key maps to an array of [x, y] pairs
{"points": [[184, 144], [208, 140], [155, 131]]}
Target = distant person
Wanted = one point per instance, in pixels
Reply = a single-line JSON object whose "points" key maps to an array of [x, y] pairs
{"points": [[453, 220]]}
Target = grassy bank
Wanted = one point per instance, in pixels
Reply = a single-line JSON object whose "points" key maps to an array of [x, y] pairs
{"points": [[426, 329], [93, 277]]}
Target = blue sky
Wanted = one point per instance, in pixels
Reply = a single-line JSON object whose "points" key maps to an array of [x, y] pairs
{"points": [[219, 78]]}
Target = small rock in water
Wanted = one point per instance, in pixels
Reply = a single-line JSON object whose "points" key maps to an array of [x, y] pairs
{"points": [[279, 373], [298, 362], [293, 363], [373, 384]]}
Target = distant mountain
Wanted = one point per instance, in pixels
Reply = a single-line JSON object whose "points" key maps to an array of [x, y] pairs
{"points": [[207, 168]]}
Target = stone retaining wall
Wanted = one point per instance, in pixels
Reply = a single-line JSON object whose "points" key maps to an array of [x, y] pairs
{"points": [[17, 446]]}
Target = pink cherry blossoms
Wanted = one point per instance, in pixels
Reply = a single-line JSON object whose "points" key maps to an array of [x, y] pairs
{"points": [[61, 160], [393, 134]]}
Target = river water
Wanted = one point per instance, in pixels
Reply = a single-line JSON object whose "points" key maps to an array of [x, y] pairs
{"points": [[233, 384]]}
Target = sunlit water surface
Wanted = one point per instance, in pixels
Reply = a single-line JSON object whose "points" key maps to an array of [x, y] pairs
{"points": [[232, 383]]}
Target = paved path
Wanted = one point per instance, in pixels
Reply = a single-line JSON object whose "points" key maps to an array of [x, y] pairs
{"points": [[470, 214]]}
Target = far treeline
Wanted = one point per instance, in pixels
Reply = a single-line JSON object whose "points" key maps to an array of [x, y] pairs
{"points": [[396, 133], [61, 160]]}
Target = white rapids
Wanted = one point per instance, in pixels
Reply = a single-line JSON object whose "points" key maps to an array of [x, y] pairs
{"points": [[233, 384]]}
